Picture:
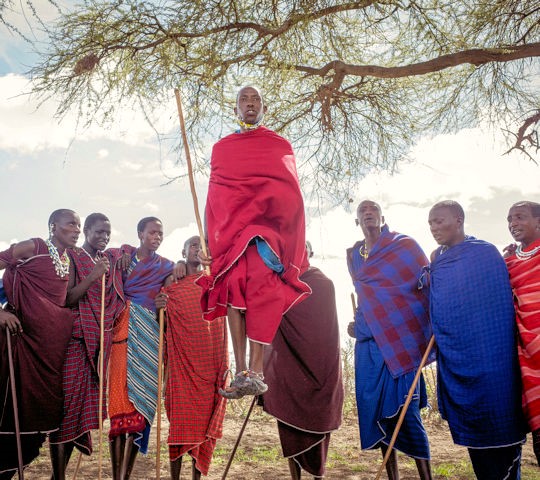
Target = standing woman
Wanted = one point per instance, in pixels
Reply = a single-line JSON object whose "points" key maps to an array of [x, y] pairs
{"points": [[133, 365], [81, 367], [35, 282]]}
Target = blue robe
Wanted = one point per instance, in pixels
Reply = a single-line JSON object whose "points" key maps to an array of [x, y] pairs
{"points": [[472, 314]]}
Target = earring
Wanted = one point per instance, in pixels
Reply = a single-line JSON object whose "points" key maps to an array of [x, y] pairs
{"points": [[51, 233]]}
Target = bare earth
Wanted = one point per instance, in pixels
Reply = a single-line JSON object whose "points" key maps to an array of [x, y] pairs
{"points": [[259, 454]]}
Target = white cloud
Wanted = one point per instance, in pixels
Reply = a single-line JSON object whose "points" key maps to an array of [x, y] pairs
{"points": [[27, 129]]}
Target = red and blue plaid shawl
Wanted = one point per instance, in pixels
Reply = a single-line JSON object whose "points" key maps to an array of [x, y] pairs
{"points": [[395, 310]]}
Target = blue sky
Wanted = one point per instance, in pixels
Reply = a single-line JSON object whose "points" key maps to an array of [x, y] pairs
{"points": [[120, 170]]}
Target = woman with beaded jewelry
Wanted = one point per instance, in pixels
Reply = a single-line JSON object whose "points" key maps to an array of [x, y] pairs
{"points": [[133, 365], [35, 281], [523, 262], [88, 264]]}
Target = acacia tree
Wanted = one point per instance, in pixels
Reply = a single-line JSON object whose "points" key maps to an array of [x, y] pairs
{"points": [[352, 83]]}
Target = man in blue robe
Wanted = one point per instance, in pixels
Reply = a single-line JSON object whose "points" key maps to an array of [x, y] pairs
{"points": [[392, 332], [472, 314]]}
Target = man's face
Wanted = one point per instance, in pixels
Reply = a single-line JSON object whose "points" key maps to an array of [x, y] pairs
{"points": [[152, 235], [191, 249], [249, 105], [368, 215], [99, 234], [445, 226], [522, 225], [66, 229]]}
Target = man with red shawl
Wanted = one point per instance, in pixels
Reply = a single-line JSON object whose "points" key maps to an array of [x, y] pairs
{"points": [[35, 282], [256, 236], [523, 265], [88, 264], [196, 359]]}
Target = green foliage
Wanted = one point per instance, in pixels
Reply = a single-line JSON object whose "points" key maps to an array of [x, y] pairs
{"points": [[352, 83]]}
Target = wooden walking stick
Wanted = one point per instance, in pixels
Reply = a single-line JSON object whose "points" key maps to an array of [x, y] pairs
{"points": [[190, 174], [15, 405], [405, 406], [159, 391], [76, 472], [101, 373], [231, 457]]}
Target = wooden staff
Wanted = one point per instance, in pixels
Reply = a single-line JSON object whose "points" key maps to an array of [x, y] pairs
{"points": [[190, 174], [405, 407], [15, 405], [101, 372], [159, 391], [231, 457], [353, 304], [79, 460]]}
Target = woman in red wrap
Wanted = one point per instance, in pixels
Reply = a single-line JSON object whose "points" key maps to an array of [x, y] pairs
{"points": [[35, 280], [256, 236], [523, 264]]}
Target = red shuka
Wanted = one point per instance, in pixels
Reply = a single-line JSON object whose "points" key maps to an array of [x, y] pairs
{"points": [[254, 192], [525, 281]]}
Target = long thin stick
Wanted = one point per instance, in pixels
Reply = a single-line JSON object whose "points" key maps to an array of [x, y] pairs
{"points": [[231, 457], [190, 174], [405, 406], [76, 472], [101, 374], [15, 405], [353, 304], [159, 392]]}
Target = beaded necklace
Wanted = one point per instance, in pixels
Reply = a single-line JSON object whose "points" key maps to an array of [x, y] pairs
{"points": [[364, 253], [250, 126], [89, 256], [60, 262], [526, 255]]}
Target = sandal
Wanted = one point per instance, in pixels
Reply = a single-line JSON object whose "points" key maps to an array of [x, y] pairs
{"points": [[245, 383]]}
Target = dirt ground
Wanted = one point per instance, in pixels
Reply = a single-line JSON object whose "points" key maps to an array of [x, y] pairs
{"points": [[259, 455]]}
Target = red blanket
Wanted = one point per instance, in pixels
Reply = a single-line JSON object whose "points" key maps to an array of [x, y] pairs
{"points": [[525, 281], [196, 362], [253, 191]]}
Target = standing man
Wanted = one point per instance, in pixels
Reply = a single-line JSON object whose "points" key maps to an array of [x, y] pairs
{"points": [[472, 314], [197, 360], [303, 372], [392, 332], [35, 282], [256, 229], [524, 268], [81, 368]]}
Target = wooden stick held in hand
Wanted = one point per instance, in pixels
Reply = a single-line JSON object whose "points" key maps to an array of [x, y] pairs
{"points": [[15, 405], [101, 373], [159, 392], [190, 174], [405, 406]]}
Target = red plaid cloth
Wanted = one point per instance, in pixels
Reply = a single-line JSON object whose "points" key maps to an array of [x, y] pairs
{"points": [[525, 281], [197, 360], [80, 373]]}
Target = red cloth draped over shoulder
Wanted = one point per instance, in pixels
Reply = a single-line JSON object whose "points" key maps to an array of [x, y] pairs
{"points": [[525, 281], [253, 191]]}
